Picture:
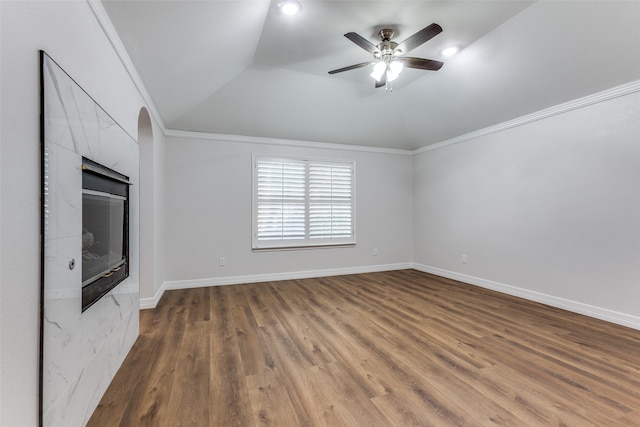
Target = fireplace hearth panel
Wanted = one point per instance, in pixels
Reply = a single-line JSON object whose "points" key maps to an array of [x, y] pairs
{"points": [[90, 257]]}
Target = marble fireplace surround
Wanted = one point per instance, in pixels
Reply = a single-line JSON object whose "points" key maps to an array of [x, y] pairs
{"points": [[80, 352]]}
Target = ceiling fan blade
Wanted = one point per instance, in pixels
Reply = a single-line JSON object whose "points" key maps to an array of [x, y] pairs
{"points": [[351, 67], [422, 64], [382, 81], [420, 37], [362, 42]]}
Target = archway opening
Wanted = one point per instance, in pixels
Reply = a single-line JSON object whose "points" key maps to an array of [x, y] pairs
{"points": [[147, 200]]}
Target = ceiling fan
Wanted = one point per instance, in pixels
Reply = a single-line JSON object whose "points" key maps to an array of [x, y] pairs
{"points": [[388, 60]]}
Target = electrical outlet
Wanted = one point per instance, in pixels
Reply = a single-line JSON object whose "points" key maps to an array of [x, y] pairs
{"points": [[464, 258], [222, 261], [374, 252]]}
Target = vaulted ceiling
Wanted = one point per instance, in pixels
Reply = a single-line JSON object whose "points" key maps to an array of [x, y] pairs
{"points": [[242, 67]]}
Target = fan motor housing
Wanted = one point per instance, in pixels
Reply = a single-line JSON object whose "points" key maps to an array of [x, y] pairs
{"points": [[386, 46], [386, 34]]}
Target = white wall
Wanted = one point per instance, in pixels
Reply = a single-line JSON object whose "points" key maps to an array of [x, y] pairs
{"points": [[152, 208], [208, 214], [69, 32], [159, 173], [549, 210]]}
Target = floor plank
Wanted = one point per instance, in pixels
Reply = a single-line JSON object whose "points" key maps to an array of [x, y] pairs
{"points": [[379, 349]]}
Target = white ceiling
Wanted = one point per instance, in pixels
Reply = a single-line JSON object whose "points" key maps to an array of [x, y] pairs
{"points": [[241, 67]]}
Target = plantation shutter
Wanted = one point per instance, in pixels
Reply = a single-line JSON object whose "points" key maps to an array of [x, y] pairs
{"points": [[330, 200], [302, 203], [281, 188]]}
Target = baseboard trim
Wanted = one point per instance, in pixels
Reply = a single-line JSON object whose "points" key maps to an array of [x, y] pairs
{"points": [[147, 303], [565, 304], [553, 301]]}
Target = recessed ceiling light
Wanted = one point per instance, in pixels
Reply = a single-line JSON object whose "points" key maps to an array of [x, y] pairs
{"points": [[450, 51], [290, 7]]}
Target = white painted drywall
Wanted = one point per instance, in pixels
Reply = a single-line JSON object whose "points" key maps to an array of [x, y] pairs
{"points": [[69, 32], [550, 208], [152, 209], [208, 216], [159, 160], [151, 203], [147, 200]]}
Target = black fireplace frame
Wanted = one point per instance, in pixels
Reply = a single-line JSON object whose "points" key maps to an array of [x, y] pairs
{"points": [[99, 178]]}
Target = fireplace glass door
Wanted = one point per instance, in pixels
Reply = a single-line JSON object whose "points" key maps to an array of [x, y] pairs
{"points": [[102, 234], [105, 230]]}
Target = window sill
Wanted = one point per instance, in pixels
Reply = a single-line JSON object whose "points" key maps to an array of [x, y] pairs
{"points": [[306, 247]]}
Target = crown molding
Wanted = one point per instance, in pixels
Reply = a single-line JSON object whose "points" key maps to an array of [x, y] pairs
{"points": [[105, 23], [605, 95], [284, 142], [114, 39]]}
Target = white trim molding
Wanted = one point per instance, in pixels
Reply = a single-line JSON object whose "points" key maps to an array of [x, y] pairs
{"points": [[107, 27], [147, 303], [113, 37], [553, 301], [605, 95], [270, 277], [286, 142], [550, 300]]}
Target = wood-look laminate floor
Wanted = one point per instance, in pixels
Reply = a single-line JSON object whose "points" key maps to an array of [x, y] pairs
{"points": [[398, 348]]}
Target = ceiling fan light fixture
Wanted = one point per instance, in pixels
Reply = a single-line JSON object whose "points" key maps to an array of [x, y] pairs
{"points": [[396, 67], [388, 57], [290, 7], [378, 70], [394, 70]]}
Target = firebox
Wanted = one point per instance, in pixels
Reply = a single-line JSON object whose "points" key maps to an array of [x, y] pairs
{"points": [[105, 230]]}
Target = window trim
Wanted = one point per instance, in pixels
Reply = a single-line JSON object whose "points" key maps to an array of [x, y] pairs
{"points": [[307, 242]]}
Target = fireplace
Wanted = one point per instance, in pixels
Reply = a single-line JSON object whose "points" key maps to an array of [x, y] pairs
{"points": [[105, 230]]}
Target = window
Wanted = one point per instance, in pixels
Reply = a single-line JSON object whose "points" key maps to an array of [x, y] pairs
{"points": [[299, 203]]}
